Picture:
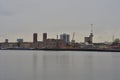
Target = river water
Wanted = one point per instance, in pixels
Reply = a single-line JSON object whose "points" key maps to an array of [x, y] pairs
{"points": [[59, 65]]}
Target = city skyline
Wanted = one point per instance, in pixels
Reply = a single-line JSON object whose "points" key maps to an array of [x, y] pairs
{"points": [[20, 19]]}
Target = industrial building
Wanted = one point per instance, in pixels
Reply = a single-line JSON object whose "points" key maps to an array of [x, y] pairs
{"points": [[89, 39], [54, 43]]}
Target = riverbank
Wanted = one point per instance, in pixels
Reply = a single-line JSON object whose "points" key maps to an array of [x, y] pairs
{"points": [[99, 50], [56, 49]]}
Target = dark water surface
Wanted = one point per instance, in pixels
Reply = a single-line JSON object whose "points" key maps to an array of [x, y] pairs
{"points": [[53, 65]]}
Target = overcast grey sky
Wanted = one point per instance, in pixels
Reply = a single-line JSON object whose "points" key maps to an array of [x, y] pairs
{"points": [[21, 18]]}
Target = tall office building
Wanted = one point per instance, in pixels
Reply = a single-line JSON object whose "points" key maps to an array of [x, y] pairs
{"points": [[65, 37], [35, 38], [44, 36]]}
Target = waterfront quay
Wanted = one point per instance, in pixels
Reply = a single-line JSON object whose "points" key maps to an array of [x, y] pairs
{"points": [[62, 43]]}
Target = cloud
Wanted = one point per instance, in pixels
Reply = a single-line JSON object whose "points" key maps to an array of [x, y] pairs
{"points": [[59, 16]]}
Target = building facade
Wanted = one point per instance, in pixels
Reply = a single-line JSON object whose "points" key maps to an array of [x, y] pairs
{"points": [[65, 37], [44, 36], [35, 38], [54, 43]]}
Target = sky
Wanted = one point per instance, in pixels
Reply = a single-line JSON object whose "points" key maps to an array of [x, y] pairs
{"points": [[22, 18]]}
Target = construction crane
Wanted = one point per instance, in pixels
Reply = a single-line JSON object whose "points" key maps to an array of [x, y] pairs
{"points": [[91, 28], [73, 41]]}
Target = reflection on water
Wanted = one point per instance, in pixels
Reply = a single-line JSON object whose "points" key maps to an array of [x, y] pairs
{"points": [[116, 67], [34, 66], [41, 65], [55, 67]]}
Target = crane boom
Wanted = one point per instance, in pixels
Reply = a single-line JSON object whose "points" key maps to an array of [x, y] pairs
{"points": [[73, 36], [73, 41]]}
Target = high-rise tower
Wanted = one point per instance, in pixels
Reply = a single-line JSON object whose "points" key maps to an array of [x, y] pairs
{"points": [[35, 38], [65, 37], [44, 36]]}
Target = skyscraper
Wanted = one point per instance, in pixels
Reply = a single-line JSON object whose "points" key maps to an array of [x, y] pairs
{"points": [[65, 37]]}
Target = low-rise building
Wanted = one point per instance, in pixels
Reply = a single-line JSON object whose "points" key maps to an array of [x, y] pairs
{"points": [[54, 43]]}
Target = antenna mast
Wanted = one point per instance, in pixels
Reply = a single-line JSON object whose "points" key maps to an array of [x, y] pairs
{"points": [[113, 37], [91, 28]]}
